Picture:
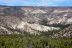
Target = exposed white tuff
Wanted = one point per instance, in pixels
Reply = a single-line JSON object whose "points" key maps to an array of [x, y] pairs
{"points": [[26, 26], [33, 19]]}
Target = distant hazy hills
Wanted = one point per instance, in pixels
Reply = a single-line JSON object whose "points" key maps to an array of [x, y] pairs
{"points": [[19, 20]]}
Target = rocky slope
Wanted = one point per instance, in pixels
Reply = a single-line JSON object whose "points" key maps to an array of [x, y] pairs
{"points": [[19, 20], [67, 32], [53, 15], [12, 24]]}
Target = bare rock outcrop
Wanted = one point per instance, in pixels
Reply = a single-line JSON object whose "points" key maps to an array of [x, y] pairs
{"points": [[67, 32]]}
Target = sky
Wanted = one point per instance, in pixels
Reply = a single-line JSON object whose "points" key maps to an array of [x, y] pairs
{"points": [[36, 2]]}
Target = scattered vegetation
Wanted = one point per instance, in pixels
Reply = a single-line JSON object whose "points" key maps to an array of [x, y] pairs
{"points": [[45, 22], [60, 25]]}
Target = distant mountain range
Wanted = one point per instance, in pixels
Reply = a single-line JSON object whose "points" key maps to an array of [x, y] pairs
{"points": [[33, 20]]}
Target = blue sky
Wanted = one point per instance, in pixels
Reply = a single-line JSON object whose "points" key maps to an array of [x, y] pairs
{"points": [[36, 2]]}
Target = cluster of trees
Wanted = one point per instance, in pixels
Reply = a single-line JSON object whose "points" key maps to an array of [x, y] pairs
{"points": [[31, 41]]}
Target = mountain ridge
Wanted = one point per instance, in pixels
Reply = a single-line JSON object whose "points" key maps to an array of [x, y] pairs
{"points": [[33, 19]]}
